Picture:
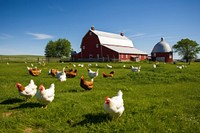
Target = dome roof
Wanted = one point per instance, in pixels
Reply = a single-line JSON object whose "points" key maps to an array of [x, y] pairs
{"points": [[161, 46]]}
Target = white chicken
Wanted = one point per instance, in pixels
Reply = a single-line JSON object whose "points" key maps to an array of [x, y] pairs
{"points": [[154, 66], [29, 91], [58, 73], [124, 66], [89, 65], [93, 74], [46, 96], [62, 76], [108, 66], [136, 69], [114, 106], [180, 67], [81, 65]]}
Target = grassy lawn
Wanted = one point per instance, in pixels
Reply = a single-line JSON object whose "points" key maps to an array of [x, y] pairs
{"points": [[165, 99]]}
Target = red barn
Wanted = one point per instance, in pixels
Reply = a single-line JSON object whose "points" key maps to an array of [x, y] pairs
{"points": [[103, 46], [162, 52]]}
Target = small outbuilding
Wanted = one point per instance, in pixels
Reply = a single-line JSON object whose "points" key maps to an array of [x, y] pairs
{"points": [[162, 52], [104, 46]]}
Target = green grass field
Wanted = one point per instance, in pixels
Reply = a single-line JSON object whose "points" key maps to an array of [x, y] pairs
{"points": [[164, 99]]}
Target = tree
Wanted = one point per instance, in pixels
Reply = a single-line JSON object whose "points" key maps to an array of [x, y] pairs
{"points": [[59, 48], [187, 48]]}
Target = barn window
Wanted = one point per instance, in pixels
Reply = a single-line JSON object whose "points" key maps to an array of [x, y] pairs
{"points": [[170, 56], [98, 56], [122, 56], [83, 47], [126, 56], [97, 45], [90, 33]]}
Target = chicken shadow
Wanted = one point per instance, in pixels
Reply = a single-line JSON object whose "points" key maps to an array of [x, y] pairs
{"points": [[92, 119], [12, 101], [27, 105], [72, 91]]}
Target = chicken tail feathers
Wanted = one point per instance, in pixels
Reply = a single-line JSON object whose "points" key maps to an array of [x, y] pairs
{"points": [[119, 93], [52, 86], [32, 82]]}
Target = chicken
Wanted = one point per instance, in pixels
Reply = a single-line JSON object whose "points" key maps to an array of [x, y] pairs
{"points": [[114, 106], [109, 66], [136, 69], [93, 74], [62, 77], [124, 66], [71, 73], [53, 72], [34, 71], [89, 65], [180, 67], [108, 75], [87, 85], [46, 96], [81, 65], [154, 66], [29, 91]]}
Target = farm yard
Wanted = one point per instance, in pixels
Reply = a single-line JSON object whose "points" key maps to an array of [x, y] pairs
{"points": [[161, 99]]}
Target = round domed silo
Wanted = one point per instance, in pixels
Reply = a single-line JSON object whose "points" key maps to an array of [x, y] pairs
{"points": [[162, 52]]}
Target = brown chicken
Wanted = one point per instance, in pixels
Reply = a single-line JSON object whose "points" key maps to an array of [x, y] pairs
{"points": [[71, 73], [108, 75], [34, 71], [53, 72], [87, 85]]}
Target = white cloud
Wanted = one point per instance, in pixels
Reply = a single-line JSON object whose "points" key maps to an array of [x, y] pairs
{"points": [[137, 35], [5, 36], [40, 36]]}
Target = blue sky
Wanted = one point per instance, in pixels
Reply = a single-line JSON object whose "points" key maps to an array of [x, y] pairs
{"points": [[26, 26]]}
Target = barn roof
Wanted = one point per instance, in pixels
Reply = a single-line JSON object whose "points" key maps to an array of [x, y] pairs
{"points": [[125, 50], [161, 46], [107, 38]]}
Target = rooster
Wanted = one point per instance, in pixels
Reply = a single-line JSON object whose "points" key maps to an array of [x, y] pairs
{"points": [[108, 75], [29, 91], [93, 74], [34, 71], [87, 85], [71, 73], [114, 106], [45, 96]]}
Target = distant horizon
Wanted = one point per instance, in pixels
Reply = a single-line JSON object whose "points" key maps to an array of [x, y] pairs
{"points": [[58, 57]]}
